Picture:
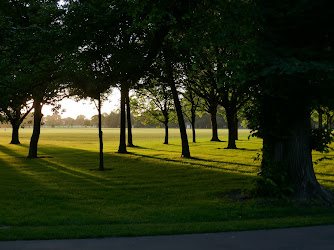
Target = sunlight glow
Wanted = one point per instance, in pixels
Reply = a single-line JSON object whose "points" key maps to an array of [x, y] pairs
{"points": [[85, 107]]}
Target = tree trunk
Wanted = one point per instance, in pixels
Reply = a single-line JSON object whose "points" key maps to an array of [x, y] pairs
{"points": [[193, 119], [36, 130], [166, 133], [320, 112], [184, 138], [214, 127], [122, 139], [101, 168], [128, 114], [231, 116], [166, 120], [15, 131], [296, 153], [236, 128]]}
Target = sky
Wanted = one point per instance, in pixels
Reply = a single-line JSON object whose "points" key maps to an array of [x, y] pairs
{"points": [[85, 107]]}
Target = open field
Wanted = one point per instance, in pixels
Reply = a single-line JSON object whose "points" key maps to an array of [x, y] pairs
{"points": [[150, 191]]}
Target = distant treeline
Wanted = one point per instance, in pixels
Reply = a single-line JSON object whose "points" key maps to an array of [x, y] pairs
{"points": [[112, 120]]}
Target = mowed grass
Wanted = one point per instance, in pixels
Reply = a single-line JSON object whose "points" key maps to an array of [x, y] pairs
{"points": [[150, 191]]}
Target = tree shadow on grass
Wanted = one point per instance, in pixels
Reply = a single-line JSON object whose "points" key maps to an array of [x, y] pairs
{"points": [[160, 150], [61, 168], [189, 162], [243, 149]]}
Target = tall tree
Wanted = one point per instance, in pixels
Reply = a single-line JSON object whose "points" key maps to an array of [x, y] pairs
{"points": [[169, 71], [36, 52], [221, 61], [296, 65]]}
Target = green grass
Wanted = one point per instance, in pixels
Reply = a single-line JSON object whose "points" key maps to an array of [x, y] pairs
{"points": [[150, 191]]}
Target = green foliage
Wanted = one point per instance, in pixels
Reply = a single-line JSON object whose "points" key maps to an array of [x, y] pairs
{"points": [[321, 139], [154, 104], [274, 180]]}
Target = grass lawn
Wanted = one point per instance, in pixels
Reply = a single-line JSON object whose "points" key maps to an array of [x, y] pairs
{"points": [[150, 191]]}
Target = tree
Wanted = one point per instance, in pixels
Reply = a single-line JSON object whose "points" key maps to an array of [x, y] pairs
{"points": [[53, 120], [191, 103], [207, 89], [154, 104], [219, 62], [68, 121], [14, 92], [295, 70], [36, 32], [14, 108], [169, 71]]}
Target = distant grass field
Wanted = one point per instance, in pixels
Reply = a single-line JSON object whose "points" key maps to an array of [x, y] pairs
{"points": [[150, 191]]}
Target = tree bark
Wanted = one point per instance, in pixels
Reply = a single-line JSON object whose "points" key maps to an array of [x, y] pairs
{"points": [[122, 139], [36, 129], [166, 133], [128, 114], [16, 121], [231, 116], [184, 138], [296, 153], [101, 167], [15, 131], [214, 127], [193, 119], [236, 128], [166, 120], [320, 112]]}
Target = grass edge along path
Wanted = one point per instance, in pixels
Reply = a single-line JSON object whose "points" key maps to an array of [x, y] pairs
{"points": [[127, 230]]}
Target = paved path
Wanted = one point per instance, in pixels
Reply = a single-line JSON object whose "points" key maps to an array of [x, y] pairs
{"points": [[305, 238]]}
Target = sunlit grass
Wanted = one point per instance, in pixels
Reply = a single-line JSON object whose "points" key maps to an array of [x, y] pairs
{"points": [[151, 190]]}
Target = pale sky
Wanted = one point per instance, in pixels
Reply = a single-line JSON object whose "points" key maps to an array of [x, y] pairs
{"points": [[86, 108]]}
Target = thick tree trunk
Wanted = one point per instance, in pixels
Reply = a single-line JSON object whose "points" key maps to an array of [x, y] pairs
{"points": [[214, 127], [36, 130], [184, 138], [300, 166], [296, 153], [101, 168], [128, 115], [231, 116], [15, 132], [122, 139]]}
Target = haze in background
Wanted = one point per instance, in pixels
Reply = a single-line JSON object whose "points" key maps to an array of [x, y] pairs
{"points": [[84, 107]]}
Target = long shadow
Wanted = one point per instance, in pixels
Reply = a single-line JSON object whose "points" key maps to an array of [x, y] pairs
{"points": [[160, 150], [324, 174], [95, 154], [63, 169], [225, 162], [247, 149], [199, 164]]}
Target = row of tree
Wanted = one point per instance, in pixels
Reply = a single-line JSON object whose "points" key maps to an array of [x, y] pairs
{"points": [[112, 120], [276, 57]]}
